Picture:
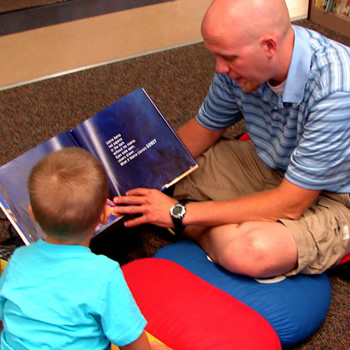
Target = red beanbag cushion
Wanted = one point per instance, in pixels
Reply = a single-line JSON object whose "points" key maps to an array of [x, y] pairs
{"points": [[345, 259], [244, 137], [187, 313]]}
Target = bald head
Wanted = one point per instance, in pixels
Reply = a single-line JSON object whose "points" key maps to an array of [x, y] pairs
{"points": [[251, 40], [251, 19]]}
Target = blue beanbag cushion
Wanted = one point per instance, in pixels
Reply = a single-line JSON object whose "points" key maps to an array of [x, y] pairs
{"points": [[294, 306]]}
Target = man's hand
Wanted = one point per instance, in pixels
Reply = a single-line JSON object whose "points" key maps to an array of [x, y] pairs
{"points": [[152, 205]]}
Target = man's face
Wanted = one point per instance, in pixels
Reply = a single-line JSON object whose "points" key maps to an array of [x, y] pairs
{"points": [[242, 61]]}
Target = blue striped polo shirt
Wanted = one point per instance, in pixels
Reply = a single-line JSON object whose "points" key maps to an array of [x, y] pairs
{"points": [[304, 134]]}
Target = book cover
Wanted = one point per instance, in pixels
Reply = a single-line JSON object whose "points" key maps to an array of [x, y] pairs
{"points": [[131, 138]]}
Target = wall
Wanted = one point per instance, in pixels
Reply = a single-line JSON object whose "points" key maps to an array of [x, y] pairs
{"points": [[60, 49]]}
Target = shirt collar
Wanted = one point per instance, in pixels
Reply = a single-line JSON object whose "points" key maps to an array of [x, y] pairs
{"points": [[299, 68]]}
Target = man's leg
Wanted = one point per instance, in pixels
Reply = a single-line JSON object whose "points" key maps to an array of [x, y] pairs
{"points": [[227, 170], [257, 249], [230, 169]]}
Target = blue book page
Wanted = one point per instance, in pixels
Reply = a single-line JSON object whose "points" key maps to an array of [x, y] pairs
{"points": [[136, 145], [14, 197]]}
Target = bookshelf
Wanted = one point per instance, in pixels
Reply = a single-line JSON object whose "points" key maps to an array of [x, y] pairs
{"points": [[340, 24]]}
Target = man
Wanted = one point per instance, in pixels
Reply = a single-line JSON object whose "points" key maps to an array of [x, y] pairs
{"points": [[279, 204]]}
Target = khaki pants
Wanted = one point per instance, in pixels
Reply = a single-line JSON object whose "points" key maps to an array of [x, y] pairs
{"points": [[231, 168]]}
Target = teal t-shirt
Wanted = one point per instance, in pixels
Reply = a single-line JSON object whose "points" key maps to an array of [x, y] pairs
{"points": [[65, 297]]}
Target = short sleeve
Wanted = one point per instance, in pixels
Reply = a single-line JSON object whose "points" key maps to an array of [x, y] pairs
{"points": [[321, 160], [219, 109], [121, 318]]}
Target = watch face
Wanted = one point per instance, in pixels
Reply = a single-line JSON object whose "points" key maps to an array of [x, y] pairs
{"points": [[177, 213], [177, 210]]}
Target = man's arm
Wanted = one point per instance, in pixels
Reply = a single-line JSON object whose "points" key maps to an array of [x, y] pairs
{"points": [[197, 138], [286, 201]]}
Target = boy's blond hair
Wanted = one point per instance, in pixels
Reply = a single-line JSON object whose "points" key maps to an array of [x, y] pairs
{"points": [[68, 190]]}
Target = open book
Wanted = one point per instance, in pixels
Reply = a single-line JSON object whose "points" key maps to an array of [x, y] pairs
{"points": [[132, 140]]}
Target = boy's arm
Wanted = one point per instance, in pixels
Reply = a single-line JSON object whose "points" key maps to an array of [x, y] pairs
{"points": [[142, 343], [2, 268], [2, 300]]}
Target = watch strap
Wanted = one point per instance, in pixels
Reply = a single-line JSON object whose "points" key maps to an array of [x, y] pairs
{"points": [[179, 227]]}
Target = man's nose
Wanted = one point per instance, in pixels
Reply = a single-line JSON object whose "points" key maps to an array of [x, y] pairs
{"points": [[221, 66]]}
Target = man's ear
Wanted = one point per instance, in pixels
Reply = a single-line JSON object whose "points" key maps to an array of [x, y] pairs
{"points": [[269, 45], [31, 212]]}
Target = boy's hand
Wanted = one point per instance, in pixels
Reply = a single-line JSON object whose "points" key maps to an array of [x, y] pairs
{"points": [[157, 346]]}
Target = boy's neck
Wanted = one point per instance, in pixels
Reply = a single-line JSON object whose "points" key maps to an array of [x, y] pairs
{"points": [[83, 242]]}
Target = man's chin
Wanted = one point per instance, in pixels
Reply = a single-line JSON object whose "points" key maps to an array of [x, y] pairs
{"points": [[248, 86]]}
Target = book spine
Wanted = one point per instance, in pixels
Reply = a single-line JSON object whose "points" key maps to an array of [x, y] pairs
{"points": [[337, 7], [329, 6], [345, 9], [324, 4], [319, 4]]}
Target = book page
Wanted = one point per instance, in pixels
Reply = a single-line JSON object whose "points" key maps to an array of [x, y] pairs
{"points": [[136, 145]]}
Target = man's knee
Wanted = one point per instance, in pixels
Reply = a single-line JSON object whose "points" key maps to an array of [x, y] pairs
{"points": [[247, 255], [252, 253]]}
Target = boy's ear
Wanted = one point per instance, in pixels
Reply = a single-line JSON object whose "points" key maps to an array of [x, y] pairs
{"points": [[31, 212]]}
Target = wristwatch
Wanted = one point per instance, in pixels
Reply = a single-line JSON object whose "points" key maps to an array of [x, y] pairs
{"points": [[177, 213]]}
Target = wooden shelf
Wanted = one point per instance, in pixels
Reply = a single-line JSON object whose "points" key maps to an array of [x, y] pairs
{"points": [[340, 24]]}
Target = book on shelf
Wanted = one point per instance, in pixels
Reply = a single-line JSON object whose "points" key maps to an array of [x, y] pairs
{"points": [[337, 7], [131, 138], [319, 4], [345, 8], [329, 6]]}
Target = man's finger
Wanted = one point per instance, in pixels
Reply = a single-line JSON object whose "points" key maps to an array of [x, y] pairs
{"points": [[135, 222]]}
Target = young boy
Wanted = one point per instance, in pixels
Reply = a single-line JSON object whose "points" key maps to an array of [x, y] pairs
{"points": [[55, 293]]}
